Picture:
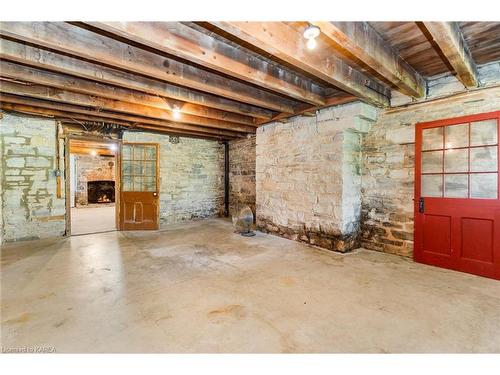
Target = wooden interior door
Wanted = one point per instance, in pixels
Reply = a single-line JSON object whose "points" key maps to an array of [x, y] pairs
{"points": [[457, 196], [139, 197]]}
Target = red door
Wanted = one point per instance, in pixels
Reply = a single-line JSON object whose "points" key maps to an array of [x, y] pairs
{"points": [[457, 203]]}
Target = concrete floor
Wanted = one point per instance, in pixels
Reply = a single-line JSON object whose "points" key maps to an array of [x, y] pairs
{"points": [[201, 288], [95, 219]]}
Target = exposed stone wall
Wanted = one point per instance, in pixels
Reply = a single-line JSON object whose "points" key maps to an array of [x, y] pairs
{"points": [[308, 179], [241, 174], [1, 183], [192, 177], [30, 207], [91, 168], [388, 154]]}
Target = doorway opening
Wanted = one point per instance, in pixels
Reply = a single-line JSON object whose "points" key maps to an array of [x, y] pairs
{"points": [[93, 186]]}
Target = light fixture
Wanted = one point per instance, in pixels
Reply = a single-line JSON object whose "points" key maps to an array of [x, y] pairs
{"points": [[176, 112], [311, 33], [93, 152], [311, 43], [112, 147]]}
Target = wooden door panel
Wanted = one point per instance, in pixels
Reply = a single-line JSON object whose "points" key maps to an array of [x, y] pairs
{"points": [[139, 194], [477, 239], [457, 194], [437, 234]]}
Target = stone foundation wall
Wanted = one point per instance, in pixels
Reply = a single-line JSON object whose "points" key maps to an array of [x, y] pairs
{"points": [[388, 157], [192, 177], [91, 168], [308, 179], [30, 207], [241, 174]]}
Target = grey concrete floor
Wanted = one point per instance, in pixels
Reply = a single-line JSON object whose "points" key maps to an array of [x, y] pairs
{"points": [[94, 219], [201, 288]]}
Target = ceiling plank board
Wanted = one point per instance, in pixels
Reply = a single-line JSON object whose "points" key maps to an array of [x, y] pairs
{"points": [[40, 58], [110, 117], [451, 42], [41, 77], [288, 45], [187, 43], [70, 39], [48, 93], [362, 41]]}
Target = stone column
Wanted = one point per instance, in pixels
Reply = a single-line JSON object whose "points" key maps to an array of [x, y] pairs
{"points": [[308, 180]]}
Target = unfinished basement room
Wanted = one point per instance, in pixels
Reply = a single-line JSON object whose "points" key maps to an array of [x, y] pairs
{"points": [[250, 187]]}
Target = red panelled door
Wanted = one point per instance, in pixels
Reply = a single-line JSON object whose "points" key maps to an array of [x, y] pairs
{"points": [[457, 196]]}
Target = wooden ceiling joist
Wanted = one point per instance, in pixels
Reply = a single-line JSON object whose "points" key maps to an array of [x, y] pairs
{"points": [[64, 82], [48, 93], [43, 59], [187, 43], [112, 117], [77, 118], [449, 38], [311, 111], [287, 44], [365, 44], [84, 44]]}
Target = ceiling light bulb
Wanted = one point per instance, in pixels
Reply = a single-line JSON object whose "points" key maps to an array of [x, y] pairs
{"points": [[177, 113], [112, 147], [93, 152], [311, 32], [311, 43]]}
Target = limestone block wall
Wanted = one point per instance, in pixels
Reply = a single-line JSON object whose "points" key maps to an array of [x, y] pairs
{"points": [[308, 179], [192, 177], [30, 207], [241, 174], [91, 168], [388, 162]]}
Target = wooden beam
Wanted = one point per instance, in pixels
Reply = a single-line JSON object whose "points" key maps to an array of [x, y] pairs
{"points": [[110, 117], [86, 150], [28, 74], [69, 39], [311, 111], [76, 118], [451, 42], [36, 57], [187, 43], [363, 42], [48, 93], [288, 45]]}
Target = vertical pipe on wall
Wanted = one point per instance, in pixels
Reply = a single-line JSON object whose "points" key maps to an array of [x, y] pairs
{"points": [[226, 178]]}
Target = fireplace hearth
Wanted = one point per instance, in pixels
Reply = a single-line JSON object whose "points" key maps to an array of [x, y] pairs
{"points": [[101, 191]]}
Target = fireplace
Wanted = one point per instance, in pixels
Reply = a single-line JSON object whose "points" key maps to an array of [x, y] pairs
{"points": [[101, 191]]}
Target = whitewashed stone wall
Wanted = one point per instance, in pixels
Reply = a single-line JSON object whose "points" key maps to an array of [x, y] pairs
{"points": [[192, 177], [388, 153], [30, 207], [308, 179]]}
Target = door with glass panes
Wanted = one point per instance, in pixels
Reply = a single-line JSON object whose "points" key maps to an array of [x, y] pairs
{"points": [[457, 204], [139, 199]]}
